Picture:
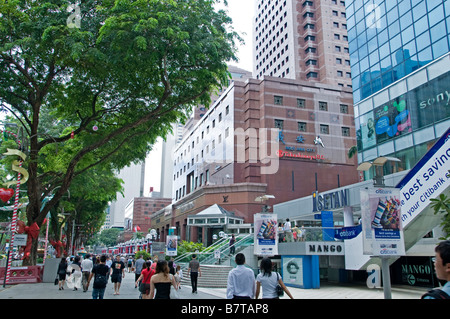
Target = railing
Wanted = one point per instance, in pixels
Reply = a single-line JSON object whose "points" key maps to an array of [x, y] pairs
{"points": [[310, 234], [209, 257]]}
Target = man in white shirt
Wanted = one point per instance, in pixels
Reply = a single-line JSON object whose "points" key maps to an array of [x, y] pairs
{"points": [[241, 281], [86, 268], [288, 231]]}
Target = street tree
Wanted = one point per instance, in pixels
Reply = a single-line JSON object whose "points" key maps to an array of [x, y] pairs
{"points": [[116, 74]]}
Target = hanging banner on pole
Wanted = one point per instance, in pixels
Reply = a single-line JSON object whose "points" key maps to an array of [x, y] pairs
{"points": [[381, 222], [266, 235], [171, 245]]}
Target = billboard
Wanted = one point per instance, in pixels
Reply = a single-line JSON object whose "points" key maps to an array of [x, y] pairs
{"points": [[266, 235], [381, 222]]}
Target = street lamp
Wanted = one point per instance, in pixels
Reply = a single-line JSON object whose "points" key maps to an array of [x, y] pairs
{"points": [[378, 164], [263, 199]]}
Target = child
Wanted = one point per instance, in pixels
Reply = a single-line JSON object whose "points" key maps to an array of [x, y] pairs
{"points": [[178, 276]]}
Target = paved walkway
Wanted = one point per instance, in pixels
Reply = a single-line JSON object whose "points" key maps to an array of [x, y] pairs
{"points": [[127, 291]]}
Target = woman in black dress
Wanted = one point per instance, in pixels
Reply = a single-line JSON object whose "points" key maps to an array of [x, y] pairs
{"points": [[161, 281]]}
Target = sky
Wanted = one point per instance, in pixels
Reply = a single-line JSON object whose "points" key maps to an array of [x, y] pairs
{"points": [[241, 12]]}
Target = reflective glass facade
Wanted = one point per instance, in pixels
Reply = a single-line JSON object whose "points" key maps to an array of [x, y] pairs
{"points": [[389, 39]]}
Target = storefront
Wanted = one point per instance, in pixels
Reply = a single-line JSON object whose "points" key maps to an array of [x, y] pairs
{"points": [[212, 221]]}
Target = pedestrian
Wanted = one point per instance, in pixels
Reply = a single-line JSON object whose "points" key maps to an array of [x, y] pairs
{"points": [[144, 280], [100, 273], [62, 272], [86, 268], [241, 280], [288, 231], [108, 263], [130, 263], [268, 280], [161, 281], [232, 242], [74, 270], [171, 268], [117, 273], [442, 268], [178, 276], [139, 264], [194, 271]]}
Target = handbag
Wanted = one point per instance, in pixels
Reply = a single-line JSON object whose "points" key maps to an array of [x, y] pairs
{"points": [[173, 293], [56, 280], [279, 290]]}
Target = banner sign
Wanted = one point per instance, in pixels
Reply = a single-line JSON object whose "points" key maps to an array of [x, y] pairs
{"points": [[171, 245], [428, 179], [266, 235], [381, 222], [347, 232]]}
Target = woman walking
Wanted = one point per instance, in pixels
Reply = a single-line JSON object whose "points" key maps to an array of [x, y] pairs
{"points": [[74, 270], [161, 281], [268, 280], [62, 272], [144, 280]]}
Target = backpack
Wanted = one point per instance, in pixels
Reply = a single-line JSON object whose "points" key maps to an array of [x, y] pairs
{"points": [[436, 294]]}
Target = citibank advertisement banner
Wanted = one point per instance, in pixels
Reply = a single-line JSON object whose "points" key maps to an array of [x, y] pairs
{"points": [[171, 245], [381, 222], [266, 235]]}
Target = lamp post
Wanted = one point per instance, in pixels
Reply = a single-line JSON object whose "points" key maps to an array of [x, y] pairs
{"points": [[263, 199], [378, 181]]}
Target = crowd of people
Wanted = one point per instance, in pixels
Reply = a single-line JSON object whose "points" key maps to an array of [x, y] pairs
{"points": [[152, 277], [160, 279]]}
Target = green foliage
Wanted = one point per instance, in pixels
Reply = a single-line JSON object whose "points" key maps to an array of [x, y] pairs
{"points": [[109, 237], [109, 88], [189, 247], [441, 205], [145, 254]]}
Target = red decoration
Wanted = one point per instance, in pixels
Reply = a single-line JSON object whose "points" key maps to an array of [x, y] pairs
{"points": [[32, 232], [6, 194]]}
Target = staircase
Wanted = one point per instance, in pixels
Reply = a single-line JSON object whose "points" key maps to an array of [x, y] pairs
{"points": [[214, 272], [213, 276]]}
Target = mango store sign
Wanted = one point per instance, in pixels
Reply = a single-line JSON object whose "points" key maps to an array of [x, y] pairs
{"points": [[426, 180]]}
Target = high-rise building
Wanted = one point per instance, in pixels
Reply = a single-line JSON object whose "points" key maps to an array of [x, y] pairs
{"points": [[399, 53], [391, 39], [302, 39]]}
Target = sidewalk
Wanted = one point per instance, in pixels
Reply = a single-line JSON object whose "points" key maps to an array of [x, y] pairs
{"points": [[128, 291]]}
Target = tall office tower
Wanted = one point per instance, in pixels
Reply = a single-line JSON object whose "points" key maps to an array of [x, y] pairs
{"points": [[400, 61], [302, 39]]}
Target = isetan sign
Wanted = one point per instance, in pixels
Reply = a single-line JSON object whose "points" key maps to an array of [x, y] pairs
{"points": [[330, 201]]}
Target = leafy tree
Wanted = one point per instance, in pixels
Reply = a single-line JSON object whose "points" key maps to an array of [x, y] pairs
{"points": [[115, 84], [108, 237], [441, 205], [188, 247]]}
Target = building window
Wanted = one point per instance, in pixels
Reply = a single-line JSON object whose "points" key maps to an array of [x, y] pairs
{"points": [[323, 106], [278, 100], [279, 124], [344, 108], [310, 38], [310, 50], [345, 131], [324, 129], [311, 75], [311, 62], [302, 126], [301, 103]]}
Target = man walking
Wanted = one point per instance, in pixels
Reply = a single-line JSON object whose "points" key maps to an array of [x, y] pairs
{"points": [[288, 231], [442, 267], [194, 272], [117, 273], [100, 274], [86, 268], [138, 267], [241, 281]]}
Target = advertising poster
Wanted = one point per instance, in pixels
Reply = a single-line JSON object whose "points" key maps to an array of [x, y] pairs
{"points": [[381, 222], [293, 271], [171, 245], [266, 235]]}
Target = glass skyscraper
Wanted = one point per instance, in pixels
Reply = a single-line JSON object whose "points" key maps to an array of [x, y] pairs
{"points": [[400, 65], [389, 39]]}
